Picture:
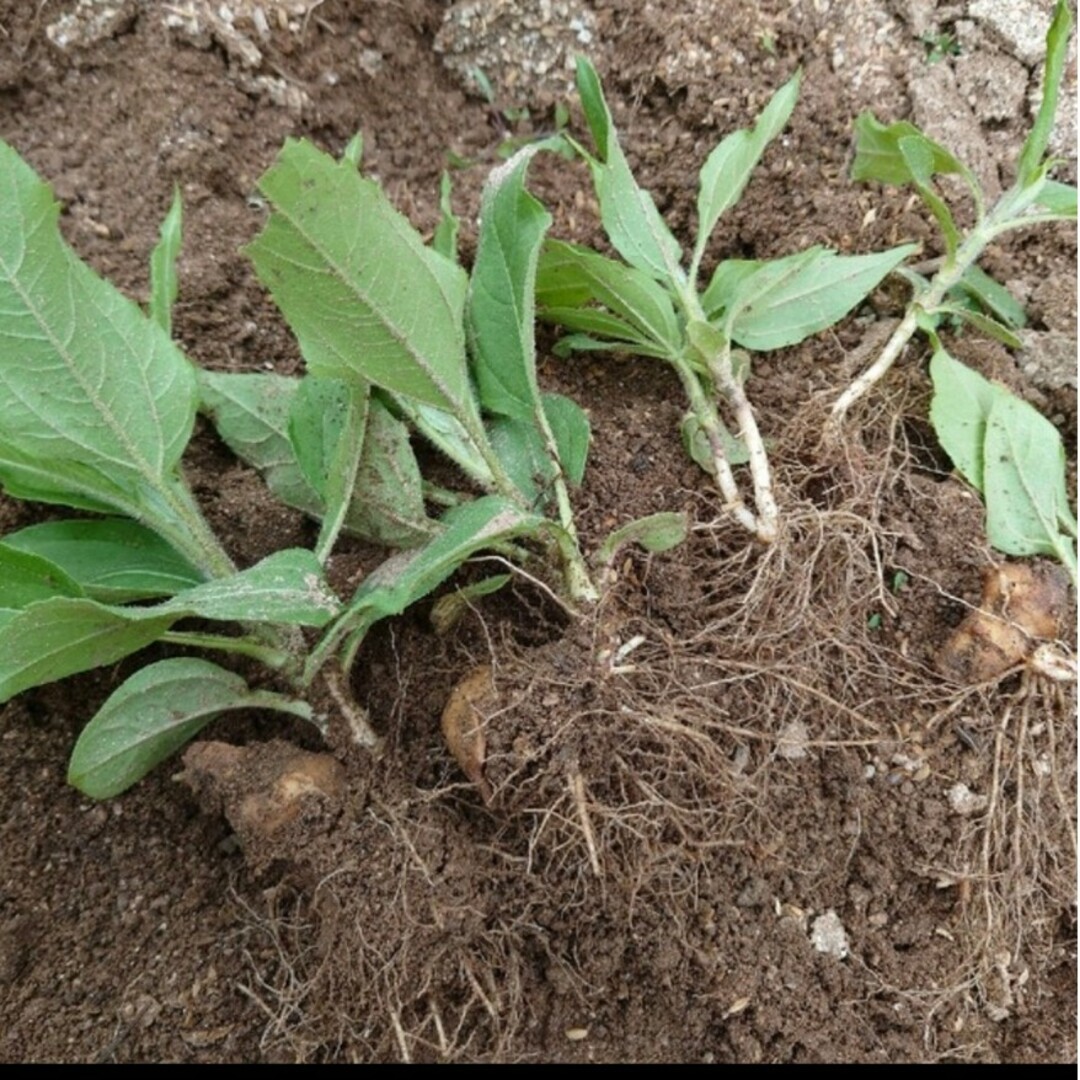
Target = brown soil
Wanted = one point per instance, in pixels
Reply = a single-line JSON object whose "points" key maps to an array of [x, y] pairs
{"points": [[641, 874]]}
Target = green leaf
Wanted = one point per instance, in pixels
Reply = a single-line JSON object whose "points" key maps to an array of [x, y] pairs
{"points": [[286, 587], [878, 155], [918, 154], [590, 320], [990, 327], [786, 300], [354, 150], [572, 433], [445, 240], [570, 276], [958, 412], [95, 399], [114, 561], [251, 413], [154, 713], [727, 169], [327, 420], [655, 533], [447, 434], [52, 639], [406, 578], [26, 577], [388, 507], [1024, 483], [448, 609], [1058, 198], [1029, 165], [594, 106], [520, 447], [501, 305], [629, 215], [362, 293], [725, 282], [164, 284], [698, 449], [993, 297]]}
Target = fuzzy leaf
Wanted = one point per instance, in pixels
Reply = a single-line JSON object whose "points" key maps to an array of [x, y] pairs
{"points": [[445, 240], [572, 432], [655, 533], [96, 403], [115, 560], [286, 587], [629, 215], [993, 297], [501, 302], [164, 284], [787, 300], [727, 169], [362, 293], [878, 155], [958, 412], [572, 277], [154, 713], [26, 577], [52, 639], [1027, 505], [1057, 49], [1058, 198]]}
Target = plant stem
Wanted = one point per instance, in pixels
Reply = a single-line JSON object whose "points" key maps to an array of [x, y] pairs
{"points": [[1006, 215], [266, 654], [705, 411]]}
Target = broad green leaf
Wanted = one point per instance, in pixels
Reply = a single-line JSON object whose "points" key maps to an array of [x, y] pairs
{"points": [[26, 577], [286, 587], [521, 450], [55, 638], [878, 155], [447, 434], [1057, 50], [327, 421], [958, 412], [26, 477], [572, 433], [317, 414], [655, 533], [445, 240], [164, 284], [251, 414], [723, 287], [501, 302], [788, 299], [993, 297], [727, 169], [362, 293], [406, 578], [154, 713], [570, 276], [1027, 504], [1058, 198], [388, 507], [629, 215], [918, 154], [93, 394], [115, 560]]}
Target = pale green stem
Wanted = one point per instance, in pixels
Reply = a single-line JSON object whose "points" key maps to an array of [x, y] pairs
{"points": [[273, 658], [1004, 217]]}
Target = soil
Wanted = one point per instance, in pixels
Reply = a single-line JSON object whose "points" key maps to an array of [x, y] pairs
{"points": [[742, 839]]}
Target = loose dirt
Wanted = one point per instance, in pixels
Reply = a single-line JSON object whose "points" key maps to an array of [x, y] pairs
{"points": [[743, 811]]}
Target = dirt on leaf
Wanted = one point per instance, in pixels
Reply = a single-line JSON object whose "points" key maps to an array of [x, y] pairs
{"points": [[740, 812]]}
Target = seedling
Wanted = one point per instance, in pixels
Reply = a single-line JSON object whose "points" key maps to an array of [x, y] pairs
{"points": [[650, 305], [97, 405], [1001, 445], [900, 154]]}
